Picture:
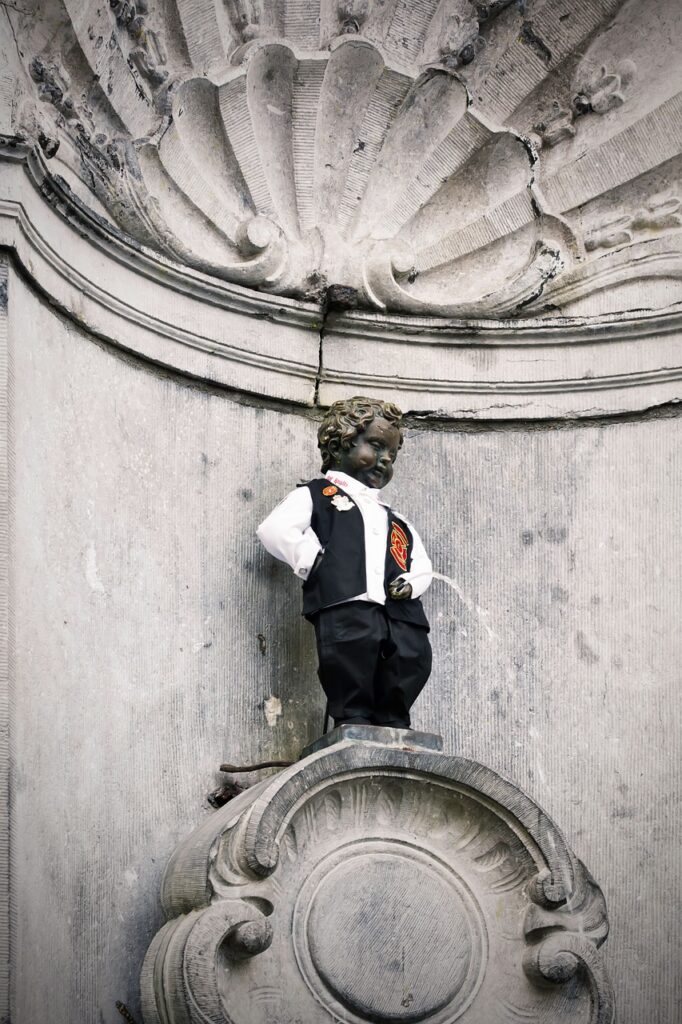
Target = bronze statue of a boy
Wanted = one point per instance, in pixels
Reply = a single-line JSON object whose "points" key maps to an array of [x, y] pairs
{"points": [[363, 568]]}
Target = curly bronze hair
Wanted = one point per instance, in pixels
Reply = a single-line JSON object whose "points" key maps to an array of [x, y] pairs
{"points": [[346, 419]]}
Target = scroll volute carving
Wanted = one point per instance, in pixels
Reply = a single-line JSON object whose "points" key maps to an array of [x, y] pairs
{"points": [[372, 883]]}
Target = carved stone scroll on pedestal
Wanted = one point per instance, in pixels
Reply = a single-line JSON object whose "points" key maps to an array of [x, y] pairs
{"points": [[378, 881]]}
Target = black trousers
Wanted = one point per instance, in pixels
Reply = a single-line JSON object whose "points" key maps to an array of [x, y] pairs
{"points": [[372, 668]]}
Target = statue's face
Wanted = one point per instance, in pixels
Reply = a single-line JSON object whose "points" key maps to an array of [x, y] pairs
{"points": [[371, 456]]}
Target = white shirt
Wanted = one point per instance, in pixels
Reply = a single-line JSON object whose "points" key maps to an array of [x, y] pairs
{"points": [[288, 535]]}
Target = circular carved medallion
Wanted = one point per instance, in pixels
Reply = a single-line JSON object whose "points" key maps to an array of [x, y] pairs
{"points": [[390, 932]]}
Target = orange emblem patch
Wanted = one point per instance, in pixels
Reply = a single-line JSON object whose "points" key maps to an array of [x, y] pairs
{"points": [[399, 545], [328, 491]]}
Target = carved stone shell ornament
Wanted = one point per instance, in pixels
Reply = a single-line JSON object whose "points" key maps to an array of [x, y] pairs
{"points": [[373, 883], [439, 158], [471, 209]]}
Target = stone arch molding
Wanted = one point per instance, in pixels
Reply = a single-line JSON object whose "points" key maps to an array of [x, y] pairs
{"points": [[486, 183], [373, 883]]}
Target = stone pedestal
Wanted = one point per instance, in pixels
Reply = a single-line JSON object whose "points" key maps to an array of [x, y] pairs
{"points": [[378, 880]]}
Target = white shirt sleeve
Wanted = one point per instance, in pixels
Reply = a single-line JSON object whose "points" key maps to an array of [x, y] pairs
{"points": [[288, 535], [420, 575]]}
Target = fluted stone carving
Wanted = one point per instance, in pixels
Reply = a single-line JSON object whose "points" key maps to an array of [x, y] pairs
{"points": [[375, 882], [442, 158], [469, 209]]}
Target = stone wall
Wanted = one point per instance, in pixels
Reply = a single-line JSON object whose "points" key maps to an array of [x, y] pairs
{"points": [[152, 635], [216, 219]]}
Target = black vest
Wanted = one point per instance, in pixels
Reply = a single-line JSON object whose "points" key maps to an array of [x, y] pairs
{"points": [[341, 574]]}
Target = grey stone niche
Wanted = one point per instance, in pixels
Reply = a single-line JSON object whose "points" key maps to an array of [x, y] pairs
{"points": [[378, 880]]}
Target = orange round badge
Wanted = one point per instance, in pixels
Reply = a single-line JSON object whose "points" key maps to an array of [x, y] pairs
{"points": [[328, 491]]}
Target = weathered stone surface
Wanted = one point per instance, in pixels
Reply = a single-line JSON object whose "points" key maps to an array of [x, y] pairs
{"points": [[370, 882], [6, 644], [146, 399], [284, 349], [179, 645], [458, 159], [473, 209], [168, 314]]}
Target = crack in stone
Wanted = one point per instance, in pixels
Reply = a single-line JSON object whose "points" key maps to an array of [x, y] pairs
{"points": [[336, 298], [432, 420], [7, 7]]}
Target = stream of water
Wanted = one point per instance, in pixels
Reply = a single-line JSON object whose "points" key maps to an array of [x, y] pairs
{"points": [[480, 613]]}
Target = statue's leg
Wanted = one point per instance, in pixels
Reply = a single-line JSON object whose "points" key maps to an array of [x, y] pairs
{"points": [[349, 638], [402, 673]]}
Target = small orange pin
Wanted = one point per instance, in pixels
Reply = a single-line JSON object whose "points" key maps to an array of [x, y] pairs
{"points": [[328, 491]]}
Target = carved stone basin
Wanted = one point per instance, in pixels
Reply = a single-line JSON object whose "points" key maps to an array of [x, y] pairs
{"points": [[378, 881]]}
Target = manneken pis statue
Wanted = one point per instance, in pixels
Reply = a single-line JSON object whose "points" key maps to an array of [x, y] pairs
{"points": [[363, 568]]}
